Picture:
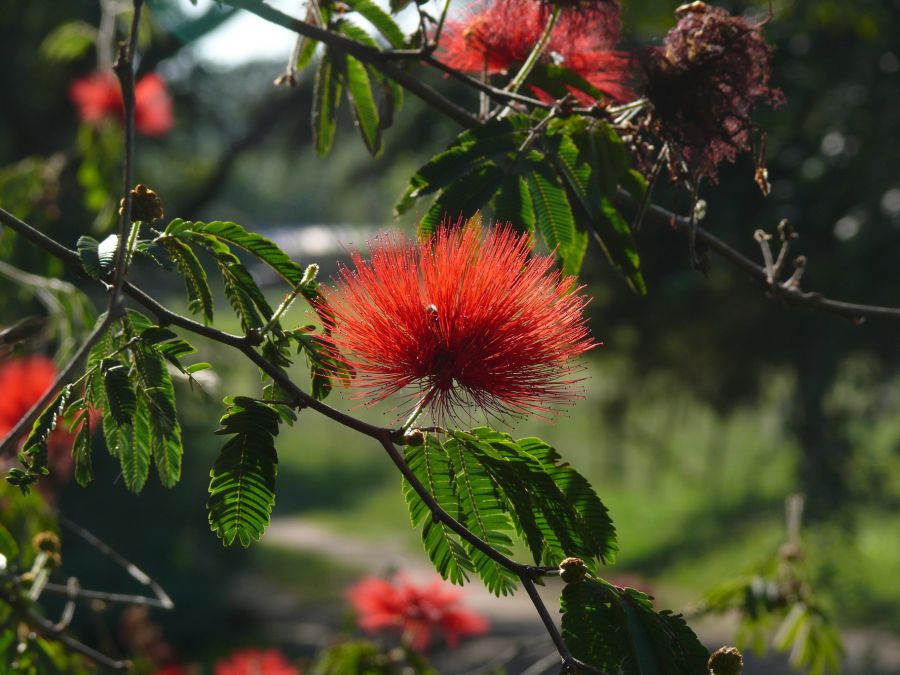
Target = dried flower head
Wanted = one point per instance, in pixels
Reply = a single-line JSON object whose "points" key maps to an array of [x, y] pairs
{"points": [[98, 97], [417, 611], [726, 661], [497, 36], [146, 206], [703, 83], [463, 318]]}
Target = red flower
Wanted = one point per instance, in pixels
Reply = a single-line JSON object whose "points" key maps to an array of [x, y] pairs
{"points": [[256, 662], [23, 381], [462, 319], [498, 36], [98, 97], [417, 611]]}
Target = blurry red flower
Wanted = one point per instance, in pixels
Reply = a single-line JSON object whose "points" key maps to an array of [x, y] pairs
{"points": [[255, 662], [498, 35], [98, 96], [465, 318], [703, 82], [23, 381], [415, 610]]}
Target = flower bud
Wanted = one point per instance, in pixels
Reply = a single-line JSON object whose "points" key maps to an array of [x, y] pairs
{"points": [[145, 205], [47, 542], [414, 437], [572, 570], [726, 661]]}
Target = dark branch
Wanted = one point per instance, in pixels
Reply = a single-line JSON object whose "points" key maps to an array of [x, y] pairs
{"points": [[790, 293]]}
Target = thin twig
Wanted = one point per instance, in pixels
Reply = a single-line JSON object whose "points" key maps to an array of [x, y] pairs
{"points": [[49, 630], [124, 69], [163, 599]]}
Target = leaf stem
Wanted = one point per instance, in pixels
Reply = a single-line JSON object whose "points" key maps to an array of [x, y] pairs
{"points": [[533, 57]]}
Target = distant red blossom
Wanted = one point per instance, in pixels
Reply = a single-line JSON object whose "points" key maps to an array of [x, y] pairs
{"points": [[98, 97], [254, 661], [704, 81], [23, 382], [498, 35], [464, 318], [417, 611]]}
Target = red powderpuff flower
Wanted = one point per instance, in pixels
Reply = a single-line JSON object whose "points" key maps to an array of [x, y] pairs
{"points": [[23, 381], [416, 611], [462, 320], [256, 662], [703, 82], [498, 35], [98, 97]]}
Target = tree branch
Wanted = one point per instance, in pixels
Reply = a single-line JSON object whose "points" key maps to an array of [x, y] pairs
{"points": [[790, 293]]}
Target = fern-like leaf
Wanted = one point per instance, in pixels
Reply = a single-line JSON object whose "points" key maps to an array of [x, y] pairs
{"points": [[430, 464], [242, 480]]}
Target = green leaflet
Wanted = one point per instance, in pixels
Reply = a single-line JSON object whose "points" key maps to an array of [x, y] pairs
{"points": [[242, 480], [490, 143], [120, 397], [484, 514], [326, 100], [200, 299], [430, 464], [362, 103], [617, 630], [381, 20], [463, 198], [556, 511], [81, 451], [553, 215], [135, 455], [512, 204], [266, 250]]}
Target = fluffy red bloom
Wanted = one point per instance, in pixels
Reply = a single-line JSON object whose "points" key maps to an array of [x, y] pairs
{"points": [[256, 662], [498, 35], [98, 96], [23, 381], [461, 319], [417, 611], [703, 83]]}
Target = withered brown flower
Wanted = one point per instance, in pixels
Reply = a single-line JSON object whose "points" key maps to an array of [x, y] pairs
{"points": [[703, 83]]}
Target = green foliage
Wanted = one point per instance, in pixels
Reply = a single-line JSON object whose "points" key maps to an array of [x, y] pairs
{"points": [[560, 180], [496, 486], [97, 258], [200, 299], [127, 380], [68, 41], [431, 465], [243, 293], [381, 20], [362, 657], [617, 630], [811, 639], [324, 367], [33, 454], [242, 480], [326, 101]]}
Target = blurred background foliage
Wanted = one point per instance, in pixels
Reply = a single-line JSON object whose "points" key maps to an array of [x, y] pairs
{"points": [[705, 407]]}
